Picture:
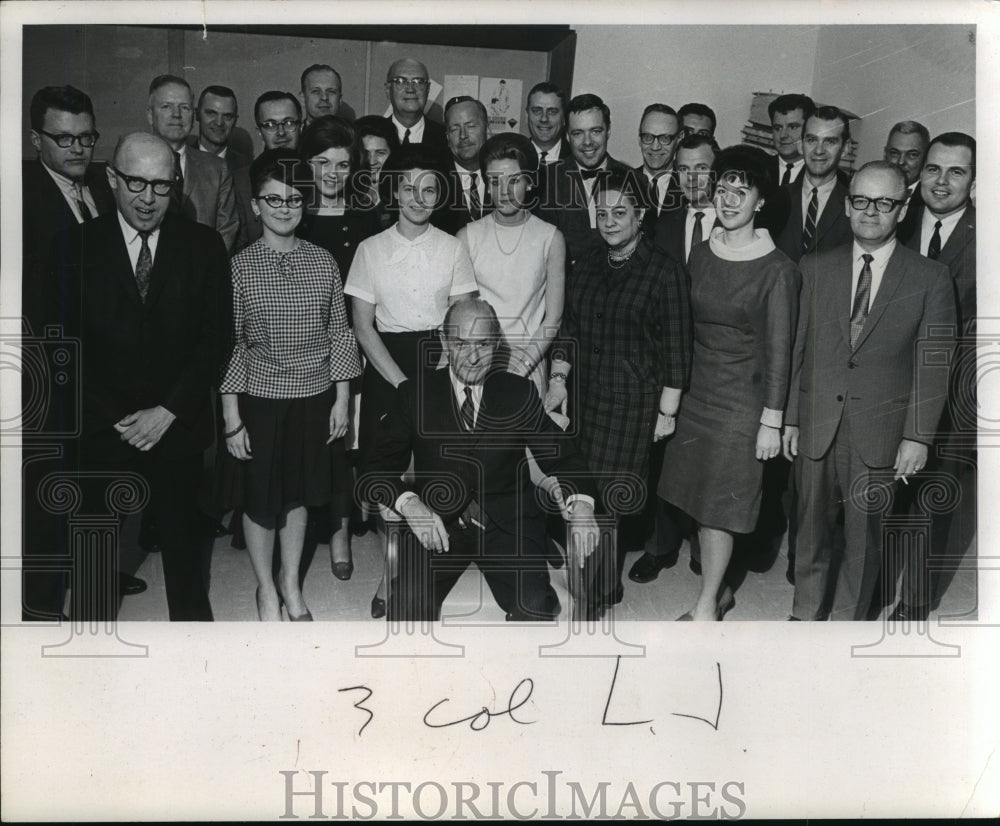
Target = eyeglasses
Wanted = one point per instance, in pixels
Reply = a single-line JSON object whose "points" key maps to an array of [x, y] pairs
{"points": [[647, 138], [138, 185], [286, 125], [403, 82], [860, 203], [65, 141], [276, 201]]}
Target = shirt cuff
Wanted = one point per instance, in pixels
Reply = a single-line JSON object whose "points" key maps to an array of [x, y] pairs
{"points": [[772, 418], [403, 498], [579, 497]]}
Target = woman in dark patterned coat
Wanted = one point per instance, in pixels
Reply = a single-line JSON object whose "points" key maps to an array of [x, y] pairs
{"points": [[628, 318]]}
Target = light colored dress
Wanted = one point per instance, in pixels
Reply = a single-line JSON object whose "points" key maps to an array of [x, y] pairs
{"points": [[510, 267]]}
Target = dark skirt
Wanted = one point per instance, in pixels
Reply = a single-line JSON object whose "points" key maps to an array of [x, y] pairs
{"points": [[413, 352], [291, 462]]}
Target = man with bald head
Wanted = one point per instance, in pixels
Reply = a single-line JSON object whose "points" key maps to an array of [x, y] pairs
{"points": [[406, 86], [863, 404], [144, 291]]}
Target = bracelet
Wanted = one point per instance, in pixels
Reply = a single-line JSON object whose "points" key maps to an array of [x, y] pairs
{"points": [[773, 427], [557, 377], [232, 433]]}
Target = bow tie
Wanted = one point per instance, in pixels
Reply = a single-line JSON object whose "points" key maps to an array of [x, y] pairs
{"points": [[587, 174]]}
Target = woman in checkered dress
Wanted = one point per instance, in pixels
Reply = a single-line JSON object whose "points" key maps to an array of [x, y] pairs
{"points": [[627, 317], [284, 392], [744, 297]]}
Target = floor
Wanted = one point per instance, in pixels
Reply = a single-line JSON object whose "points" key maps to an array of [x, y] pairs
{"points": [[763, 594]]}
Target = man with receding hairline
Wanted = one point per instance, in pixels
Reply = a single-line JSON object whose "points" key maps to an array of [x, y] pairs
{"points": [[321, 91], [406, 86], [144, 290]]}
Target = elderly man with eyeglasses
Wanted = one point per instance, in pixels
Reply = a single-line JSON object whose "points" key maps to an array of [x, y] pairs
{"points": [[144, 291], [406, 86]]}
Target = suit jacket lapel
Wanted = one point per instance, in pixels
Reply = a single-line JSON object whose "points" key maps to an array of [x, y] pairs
{"points": [[163, 262], [891, 279], [795, 217], [959, 238], [834, 207], [844, 295], [120, 263]]}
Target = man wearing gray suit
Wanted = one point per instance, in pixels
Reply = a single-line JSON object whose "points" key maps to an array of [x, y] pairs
{"points": [[862, 407], [205, 193]]}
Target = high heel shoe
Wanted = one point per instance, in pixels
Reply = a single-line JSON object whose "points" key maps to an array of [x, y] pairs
{"points": [[260, 612], [723, 605], [378, 607], [304, 617], [342, 570]]}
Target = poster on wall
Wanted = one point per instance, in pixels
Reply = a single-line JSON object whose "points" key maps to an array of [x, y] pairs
{"points": [[502, 98], [459, 86]]}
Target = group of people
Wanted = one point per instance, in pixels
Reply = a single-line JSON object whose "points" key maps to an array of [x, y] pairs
{"points": [[516, 350]]}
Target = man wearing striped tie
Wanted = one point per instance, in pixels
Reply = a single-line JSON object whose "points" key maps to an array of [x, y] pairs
{"points": [[863, 404], [816, 221]]}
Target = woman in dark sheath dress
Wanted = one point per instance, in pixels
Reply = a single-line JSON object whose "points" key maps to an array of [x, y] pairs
{"points": [[744, 298]]}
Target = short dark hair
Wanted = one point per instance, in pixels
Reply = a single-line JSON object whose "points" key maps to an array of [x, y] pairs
{"points": [[404, 159], [218, 91], [910, 127], [547, 88], [831, 113], [480, 107], [509, 146], [62, 98], [318, 67], [625, 181], [784, 104], [581, 103], [699, 109], [378, 127], [660, 108], [269, 97], [751, 163], [160, 81], [696, 142], [281, 165], [957, 139]]}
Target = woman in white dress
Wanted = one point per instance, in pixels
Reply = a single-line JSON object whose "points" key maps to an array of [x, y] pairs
{"points": [[519, 260]]}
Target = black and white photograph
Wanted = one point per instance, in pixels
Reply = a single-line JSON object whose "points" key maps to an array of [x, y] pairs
{"points": [[495, 341]]}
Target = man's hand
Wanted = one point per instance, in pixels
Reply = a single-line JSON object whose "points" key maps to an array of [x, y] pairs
{"points": [[425, 524], [910, 458], [584, 534], [665, 426], [550, 485], [555, 398], [340, 417], [144, 428], [790, 441]]}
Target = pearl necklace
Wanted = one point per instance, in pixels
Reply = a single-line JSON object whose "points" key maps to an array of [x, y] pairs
{"points": [[617, 262]]}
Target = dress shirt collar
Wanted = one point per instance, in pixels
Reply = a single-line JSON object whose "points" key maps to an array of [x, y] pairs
{"points": [[416, 131], [69, 191], [552, 153], [880, 260], [797, 167], [947, 228], [758, 248], [466, 175], [402, 240], [132, 241], [219, 153], [459, 386]]}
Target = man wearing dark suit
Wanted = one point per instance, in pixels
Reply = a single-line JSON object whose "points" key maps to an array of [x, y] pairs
{"points": [[697, 119], [816, 220], [906, 147], [861, 400], [142, 291], [677, 231], [206, 193], [466, 196], [320, 90], [61, 188], [788, 114], [569, 183], [466, 427], [944, 229], [659, 133], [546, 112], [406, 87]]}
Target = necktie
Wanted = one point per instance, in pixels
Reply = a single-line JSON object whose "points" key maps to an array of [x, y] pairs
{"points": [[859, 313], [587, 174], [468, 410], [809, 230], [787, 177], [143, 266], [177, 193], [406, 137], [81, 204], [696, 232], [475, 205], [542, 160], [934, 247]]}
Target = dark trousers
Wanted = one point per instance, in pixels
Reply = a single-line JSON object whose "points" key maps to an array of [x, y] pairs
{"points": [[826, 552], [514, 570], [45, 540], [173, 477]]}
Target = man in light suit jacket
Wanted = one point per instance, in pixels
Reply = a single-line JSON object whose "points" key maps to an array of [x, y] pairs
{"points": [[144, 291], [467, 426], [945, 210], [816, 220], [863, 404], [568, 184], [207, 193]]}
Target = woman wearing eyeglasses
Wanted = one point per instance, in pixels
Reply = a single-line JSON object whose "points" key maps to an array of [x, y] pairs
{"points": [[519, 260], [285, 390], [744, 299], [338, 218], [401, 283]]}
